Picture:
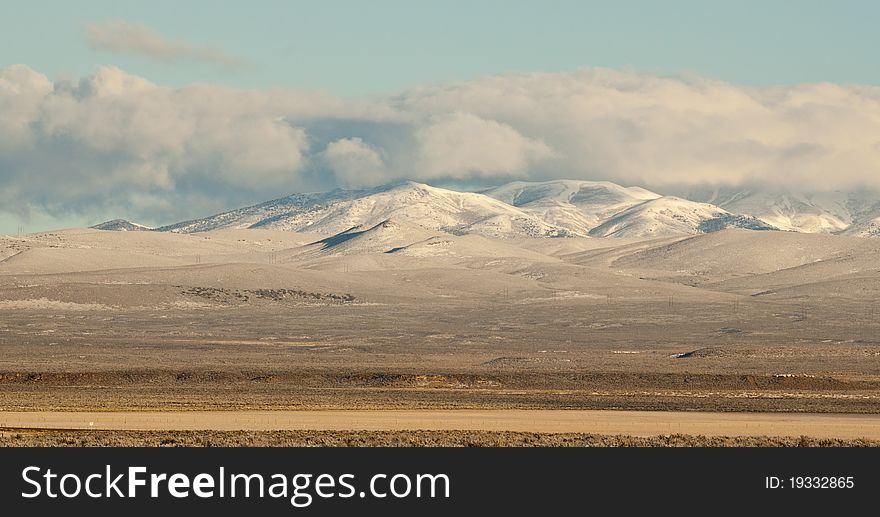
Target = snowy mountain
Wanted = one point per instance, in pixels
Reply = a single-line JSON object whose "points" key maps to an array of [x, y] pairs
{"points": [[578, 206], [670, 215], [848, 213], [560, 208], [425, 206], [864, 210], [121, 225], [866, 227], [401, 238]]}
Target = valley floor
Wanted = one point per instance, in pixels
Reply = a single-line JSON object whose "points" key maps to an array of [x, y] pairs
{"points": [[627, 423], [220, 322]]}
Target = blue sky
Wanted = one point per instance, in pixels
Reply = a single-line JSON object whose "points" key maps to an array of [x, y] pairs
{"points": [[159, 111], [353, 47]]}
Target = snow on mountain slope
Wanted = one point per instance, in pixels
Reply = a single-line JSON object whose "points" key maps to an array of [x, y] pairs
{"points": [[559, 208], [422, 205], [388, 236], [576, 205], [869, 227], [673, 216], [121, 225], [263, 214], [787, 210], [864, 208], [400, 238]]}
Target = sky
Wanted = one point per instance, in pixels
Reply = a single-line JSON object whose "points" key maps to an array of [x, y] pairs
{"points": [[160, 111]]}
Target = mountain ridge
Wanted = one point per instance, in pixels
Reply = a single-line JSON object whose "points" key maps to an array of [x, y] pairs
{"points": [[554, 208], [121, 225]]}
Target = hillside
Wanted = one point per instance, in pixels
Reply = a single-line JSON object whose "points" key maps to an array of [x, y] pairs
{"points": [[673, 216]]}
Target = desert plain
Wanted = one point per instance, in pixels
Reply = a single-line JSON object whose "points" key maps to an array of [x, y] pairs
{"points": [[760, 326]]}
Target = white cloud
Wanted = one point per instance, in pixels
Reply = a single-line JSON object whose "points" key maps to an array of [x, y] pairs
{"points": [[117, 142], [129, 38], [639, 128], [115, 137], [354, 163], [461, 145], [21, 93]]}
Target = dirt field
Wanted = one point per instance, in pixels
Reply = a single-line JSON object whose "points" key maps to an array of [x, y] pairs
{"points": [[574, 355], [631, 423]]}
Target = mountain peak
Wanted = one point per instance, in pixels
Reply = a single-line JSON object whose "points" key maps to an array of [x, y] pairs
{"points": [[403, 185], [121, 225]]}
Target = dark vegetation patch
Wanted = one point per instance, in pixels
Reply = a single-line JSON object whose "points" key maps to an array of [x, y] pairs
{"points": [[407, 379], [229, 296]]}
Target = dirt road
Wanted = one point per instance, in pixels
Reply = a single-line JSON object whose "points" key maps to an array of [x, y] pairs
{"points": [[635, 423]]}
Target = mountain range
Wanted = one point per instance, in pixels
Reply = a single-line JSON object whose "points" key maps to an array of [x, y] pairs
{"points": [[848, 213], [558, 208]]}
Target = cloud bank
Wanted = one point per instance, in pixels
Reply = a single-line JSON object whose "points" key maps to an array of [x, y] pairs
{"points": [[117, 144], [128, 38]]}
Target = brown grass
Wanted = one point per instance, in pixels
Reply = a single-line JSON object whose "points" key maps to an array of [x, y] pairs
{"points": [[52, 438]]}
